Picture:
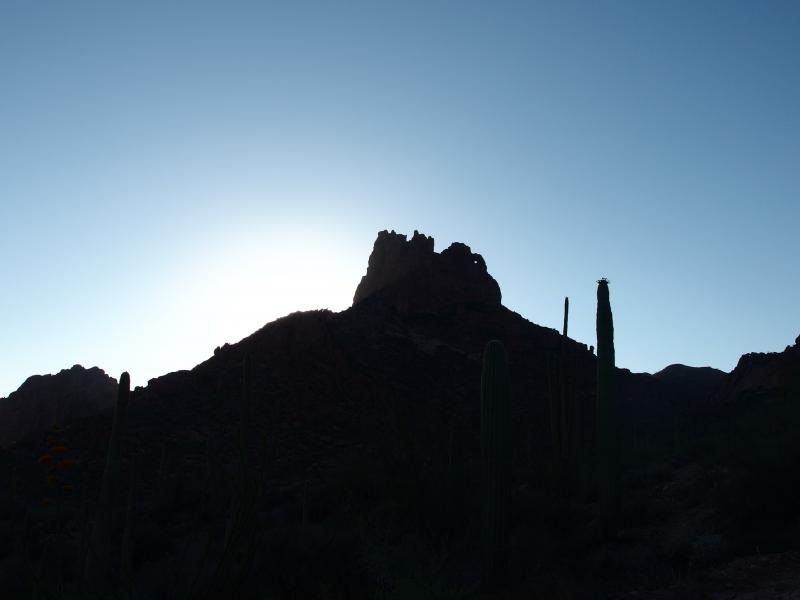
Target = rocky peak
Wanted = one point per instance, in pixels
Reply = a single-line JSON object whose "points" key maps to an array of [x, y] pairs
{"points": [[45, 400], [764, 374], [414, 278]]}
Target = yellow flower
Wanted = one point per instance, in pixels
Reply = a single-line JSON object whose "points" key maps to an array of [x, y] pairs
{"points": [[66, 462], [45, 459], [68, 488], [52, 479]]}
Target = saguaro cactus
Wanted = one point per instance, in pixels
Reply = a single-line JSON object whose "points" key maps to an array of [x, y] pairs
{"points": [[245, 476], [562, 411], [571, 446], [245, 416], [607, 413], [496, 456], [555, 410], [240, 535], [563, 398], [126, 554], [97, 562]]}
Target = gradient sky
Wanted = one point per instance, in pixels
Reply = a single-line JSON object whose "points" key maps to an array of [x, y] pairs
{"points": [[174, 175]]}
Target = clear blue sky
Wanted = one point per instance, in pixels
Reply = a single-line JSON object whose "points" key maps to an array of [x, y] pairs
{"points": [[174, 175]]}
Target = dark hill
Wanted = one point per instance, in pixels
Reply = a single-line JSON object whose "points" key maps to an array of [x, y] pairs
{"points": [[371, 418], [692, 384], [44, 400]]}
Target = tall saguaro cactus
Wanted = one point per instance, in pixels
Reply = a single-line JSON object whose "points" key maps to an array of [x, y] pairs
{"points": [[562, 409], [240, 535], [563, 394], [555, 410], [126, 554], [245, 415], [97, 562], [496, 457], [245, 476], [571, 454], [607, 413]]}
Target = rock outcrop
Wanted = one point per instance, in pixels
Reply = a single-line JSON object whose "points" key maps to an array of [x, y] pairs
{"points": [[410, 276], [764, 375], [46, 400]]}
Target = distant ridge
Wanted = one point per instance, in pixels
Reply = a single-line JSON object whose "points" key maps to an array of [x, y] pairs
{"points": [[691, 385], [44, 400], [417, 327]]}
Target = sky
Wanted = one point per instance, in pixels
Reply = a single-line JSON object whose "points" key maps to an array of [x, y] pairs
{"points": [[174, 175]]}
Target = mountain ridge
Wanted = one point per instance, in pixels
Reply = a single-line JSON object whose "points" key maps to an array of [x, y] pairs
{"points": [[383, 399]]}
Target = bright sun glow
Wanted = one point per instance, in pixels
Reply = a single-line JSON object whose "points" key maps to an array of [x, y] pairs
{"points": [[250, 280]]}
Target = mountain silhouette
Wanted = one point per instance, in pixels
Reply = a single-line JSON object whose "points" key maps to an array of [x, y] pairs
{"points": [[763, 375], [368, 422], [692, 384], [45, 400]]}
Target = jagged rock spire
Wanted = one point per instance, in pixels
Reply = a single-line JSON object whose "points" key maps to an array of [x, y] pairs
{"points": [[415, 278]]}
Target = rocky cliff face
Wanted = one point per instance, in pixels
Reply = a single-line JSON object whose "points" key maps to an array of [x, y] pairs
{"points": [[412, 277], [44, 400], [764, 374]]}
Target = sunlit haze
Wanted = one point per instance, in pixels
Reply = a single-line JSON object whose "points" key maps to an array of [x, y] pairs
{"points": [[173, 176]]}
